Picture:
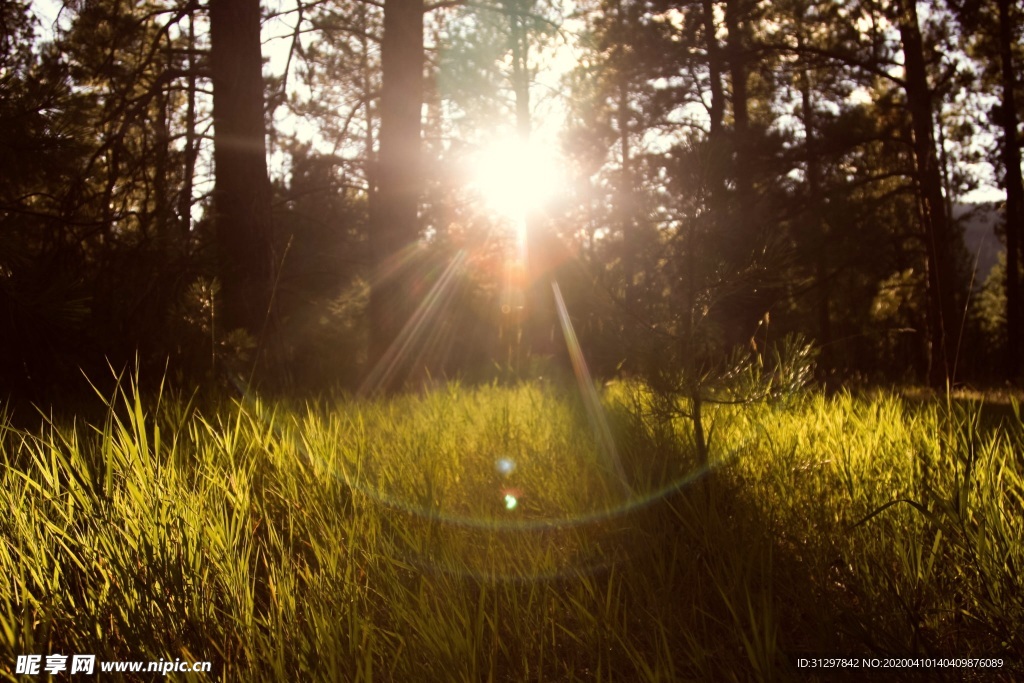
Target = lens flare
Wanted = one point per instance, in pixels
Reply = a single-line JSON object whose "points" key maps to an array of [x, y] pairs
{"points": [[510, 497], [591, 401], [505, 466], [515, 177], [412, 334], [485, 545]]}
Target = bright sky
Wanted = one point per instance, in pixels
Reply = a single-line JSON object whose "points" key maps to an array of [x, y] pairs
{"points": [[547, 100]]}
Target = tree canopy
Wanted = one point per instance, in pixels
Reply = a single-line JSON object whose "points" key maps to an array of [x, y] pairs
{"points": [[313, 195]]}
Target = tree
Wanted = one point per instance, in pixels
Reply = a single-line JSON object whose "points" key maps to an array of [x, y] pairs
{"points": [[42, 301], [1009, 32], [394, 200], [136, 67], [488, 74], [737, 158], [994, 31], [242, 195], [943, 281], [870, 53], [99, 199], [630, 79]]}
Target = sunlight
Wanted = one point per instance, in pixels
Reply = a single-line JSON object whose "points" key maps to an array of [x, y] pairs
{"points": [[415, 333], [516, 178], [591, 401]]}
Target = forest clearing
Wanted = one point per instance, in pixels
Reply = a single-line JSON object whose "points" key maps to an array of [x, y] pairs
{"points": [[511, 340], [476, 534]]}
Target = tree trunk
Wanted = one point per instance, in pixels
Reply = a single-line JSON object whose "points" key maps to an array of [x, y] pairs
{"points": [[1014, 194], [938, 235], [737, 47], [717, 112], [191, 151], [717, 163], [519, 44], [742, 224], [241, 195], [394, 204], [626, 199], [817, 225]]}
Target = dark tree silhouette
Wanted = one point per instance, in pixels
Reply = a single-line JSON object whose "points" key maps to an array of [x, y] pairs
{"points": [[394, 224], [1011, 159], [938, 234], [242, 199]]}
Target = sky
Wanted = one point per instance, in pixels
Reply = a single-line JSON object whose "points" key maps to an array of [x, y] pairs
{"points": [[546, 94]]}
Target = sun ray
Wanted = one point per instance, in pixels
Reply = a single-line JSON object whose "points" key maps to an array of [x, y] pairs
{"points": [[431, 305], [591, 401], [515, 178]]}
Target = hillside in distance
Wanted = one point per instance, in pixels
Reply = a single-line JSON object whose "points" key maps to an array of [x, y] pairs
{"points": [[980, 221]]}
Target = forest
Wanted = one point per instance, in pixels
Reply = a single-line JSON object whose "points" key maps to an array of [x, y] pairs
{"points": [[512, 339], [287, 188]]}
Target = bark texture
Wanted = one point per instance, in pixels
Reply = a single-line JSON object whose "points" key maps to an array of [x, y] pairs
{"points": [[241, 197]]}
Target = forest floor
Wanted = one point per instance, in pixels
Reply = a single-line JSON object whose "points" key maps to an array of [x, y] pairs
{"points": [[520, 533]]}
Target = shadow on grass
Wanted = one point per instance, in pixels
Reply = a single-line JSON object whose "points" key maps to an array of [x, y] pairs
{"points": [[725, 586], [230, 542]]}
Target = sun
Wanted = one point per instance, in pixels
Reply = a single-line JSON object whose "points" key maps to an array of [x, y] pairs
{"points": [[515, 178]]}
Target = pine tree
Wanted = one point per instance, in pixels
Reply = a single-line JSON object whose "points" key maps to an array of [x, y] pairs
{"points": [[242, 197], [394, 199]]}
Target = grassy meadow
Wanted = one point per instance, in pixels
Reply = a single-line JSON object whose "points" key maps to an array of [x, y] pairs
{"points": [[486, 534]]}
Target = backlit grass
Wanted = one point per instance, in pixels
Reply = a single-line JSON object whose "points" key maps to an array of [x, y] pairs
{"points": [[473, 534]]}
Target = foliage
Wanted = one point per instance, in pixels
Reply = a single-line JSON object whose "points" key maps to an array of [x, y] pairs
{"points": [[728, 159], [990, 309], [686, 378], [376, 540]]}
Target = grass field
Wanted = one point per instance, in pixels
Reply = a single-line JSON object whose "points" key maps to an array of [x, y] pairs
{"points": [[479, 534]]}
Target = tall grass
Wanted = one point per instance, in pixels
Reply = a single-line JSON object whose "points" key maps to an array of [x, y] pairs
{"points": [[475, 534]]}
